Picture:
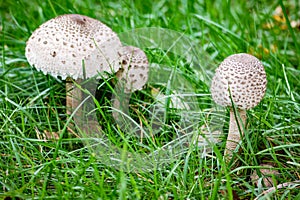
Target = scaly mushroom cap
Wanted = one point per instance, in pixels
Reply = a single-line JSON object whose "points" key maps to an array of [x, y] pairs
{"points": [[244, 76], [73, 46], [135, 68]]}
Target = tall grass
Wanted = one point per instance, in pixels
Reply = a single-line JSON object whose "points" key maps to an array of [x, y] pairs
{"points": [[32, 106]]}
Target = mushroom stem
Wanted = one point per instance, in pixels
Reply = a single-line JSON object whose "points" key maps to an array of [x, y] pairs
{"points": [[86, 124], [120, 103], [73, 99], [236, 130]]}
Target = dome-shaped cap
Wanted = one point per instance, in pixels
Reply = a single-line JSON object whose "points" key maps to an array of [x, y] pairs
{"points": [[73, 46], [135, 68], [244, 76]]}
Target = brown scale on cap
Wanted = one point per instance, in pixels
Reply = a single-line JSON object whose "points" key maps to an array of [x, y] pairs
{"points": [[242, 78]]}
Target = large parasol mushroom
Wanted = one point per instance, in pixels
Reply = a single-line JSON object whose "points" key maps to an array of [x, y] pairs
{"points": [[74, 47]]}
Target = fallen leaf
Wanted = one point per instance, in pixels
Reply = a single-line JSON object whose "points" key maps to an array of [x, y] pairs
{"points": [[48, 135], [266, 175]]}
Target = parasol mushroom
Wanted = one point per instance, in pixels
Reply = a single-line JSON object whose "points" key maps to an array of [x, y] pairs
{"points": [[131, 77], [74, 47], [239, 81]]}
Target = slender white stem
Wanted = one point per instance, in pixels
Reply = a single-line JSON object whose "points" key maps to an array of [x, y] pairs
{"points": [[87, 124], [120, 103], [120, 112], [73, 99], [236, 130]]}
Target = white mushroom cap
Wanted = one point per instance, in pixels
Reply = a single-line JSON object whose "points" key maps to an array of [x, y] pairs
{"points": [[135, 68], [73, 46], [244, 76]]}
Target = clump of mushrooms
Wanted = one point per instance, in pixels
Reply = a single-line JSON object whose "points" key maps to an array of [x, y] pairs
{"points": [[131, 77], [239, 82], [74, 47]]}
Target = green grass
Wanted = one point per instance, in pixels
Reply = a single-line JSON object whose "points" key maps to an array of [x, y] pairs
{"points": [[32, 104]]}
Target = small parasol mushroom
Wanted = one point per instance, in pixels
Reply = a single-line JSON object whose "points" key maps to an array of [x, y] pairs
{"points": [[240, 80], [132, 77]]}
